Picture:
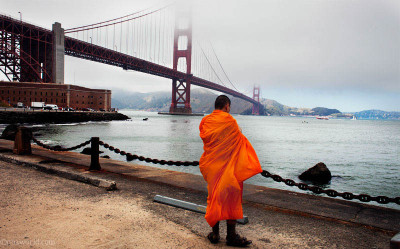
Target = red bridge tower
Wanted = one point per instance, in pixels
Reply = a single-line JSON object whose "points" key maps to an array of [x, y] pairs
{"points": [[256, 97], [182, 38]]}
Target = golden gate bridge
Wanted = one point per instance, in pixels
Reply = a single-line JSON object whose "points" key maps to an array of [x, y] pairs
{"points": [[157, 41]]}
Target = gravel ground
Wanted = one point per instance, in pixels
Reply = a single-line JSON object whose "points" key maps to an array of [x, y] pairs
{"points": [[40, 210]]}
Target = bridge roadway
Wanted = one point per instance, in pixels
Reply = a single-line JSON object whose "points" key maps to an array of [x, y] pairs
{"points": [[88, 51]]}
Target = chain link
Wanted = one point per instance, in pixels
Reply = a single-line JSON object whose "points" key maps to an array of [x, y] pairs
{"points": [[130, 157], [58, 148], [331, 192]]}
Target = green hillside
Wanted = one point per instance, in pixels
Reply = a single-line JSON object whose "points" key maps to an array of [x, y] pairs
{"points": [[202, 101]]}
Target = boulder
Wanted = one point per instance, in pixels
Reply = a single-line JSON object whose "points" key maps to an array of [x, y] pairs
{"points": [[88, 151], [9, 132], [318, 174]]}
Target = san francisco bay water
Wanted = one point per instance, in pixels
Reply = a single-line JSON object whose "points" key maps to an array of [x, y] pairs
{"points": [[363, 155]]}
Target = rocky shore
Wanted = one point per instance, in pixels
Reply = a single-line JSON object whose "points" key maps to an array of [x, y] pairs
{"points": [[59, 117]]}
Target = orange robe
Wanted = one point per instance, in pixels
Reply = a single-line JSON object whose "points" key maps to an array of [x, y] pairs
{"points": [[227, 161]]}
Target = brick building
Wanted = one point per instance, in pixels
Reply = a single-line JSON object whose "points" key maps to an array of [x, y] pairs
{"points": [[63, 95]]}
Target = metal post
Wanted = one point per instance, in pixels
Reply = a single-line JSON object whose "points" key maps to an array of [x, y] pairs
{"points": [[22, 142], [94, 160], [189, 206]]}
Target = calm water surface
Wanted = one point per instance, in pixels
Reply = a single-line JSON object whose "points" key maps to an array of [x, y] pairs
{"points": [[363, 155]]}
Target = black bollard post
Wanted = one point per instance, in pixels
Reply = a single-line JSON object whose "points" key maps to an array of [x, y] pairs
{"points": [[94, 161]]}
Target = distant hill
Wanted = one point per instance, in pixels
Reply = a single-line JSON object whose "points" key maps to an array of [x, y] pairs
{"points": [[202, 101], [321, 111], [377, 114]]}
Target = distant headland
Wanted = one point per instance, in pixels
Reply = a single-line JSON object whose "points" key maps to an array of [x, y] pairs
{"points": [[202, 102]]}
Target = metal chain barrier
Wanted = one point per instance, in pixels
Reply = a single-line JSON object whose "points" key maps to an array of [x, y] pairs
{"points": [[266, 174], [58, 148], [130, 157], [331, 192]]}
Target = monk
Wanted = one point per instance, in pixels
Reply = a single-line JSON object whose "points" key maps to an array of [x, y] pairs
{"points": [[227, 161]]}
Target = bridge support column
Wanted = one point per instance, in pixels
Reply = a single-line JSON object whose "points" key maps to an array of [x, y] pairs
{"points": [[180, 97], [58, 53], [181, 87], [256, 97]]}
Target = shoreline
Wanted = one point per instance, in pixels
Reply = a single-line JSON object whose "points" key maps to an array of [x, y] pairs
{"points": [[56, 209], [282, 200], [23, 116]]}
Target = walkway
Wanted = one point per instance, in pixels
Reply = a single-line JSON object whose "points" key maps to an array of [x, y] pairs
{"points": [[277, 218]]}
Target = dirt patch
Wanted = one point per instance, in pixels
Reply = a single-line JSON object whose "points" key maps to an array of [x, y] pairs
{"points": [[47, 211]]}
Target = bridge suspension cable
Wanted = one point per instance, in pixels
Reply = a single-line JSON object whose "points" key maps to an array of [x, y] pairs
{"points": [[104, 24], [207, 65], [210, 65], [223, 70], [145, 34], [115, 20]]}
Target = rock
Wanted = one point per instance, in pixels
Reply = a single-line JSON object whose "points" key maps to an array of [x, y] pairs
{"points": [[57, 147], [9, 132], [318, 174], [107, 157], [88, 151]]}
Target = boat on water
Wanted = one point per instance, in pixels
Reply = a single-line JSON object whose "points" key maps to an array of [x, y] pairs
{"points": [[322, 118]]}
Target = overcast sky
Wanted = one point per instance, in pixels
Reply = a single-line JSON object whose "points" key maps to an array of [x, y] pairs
{"points": [[342, 54]]}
